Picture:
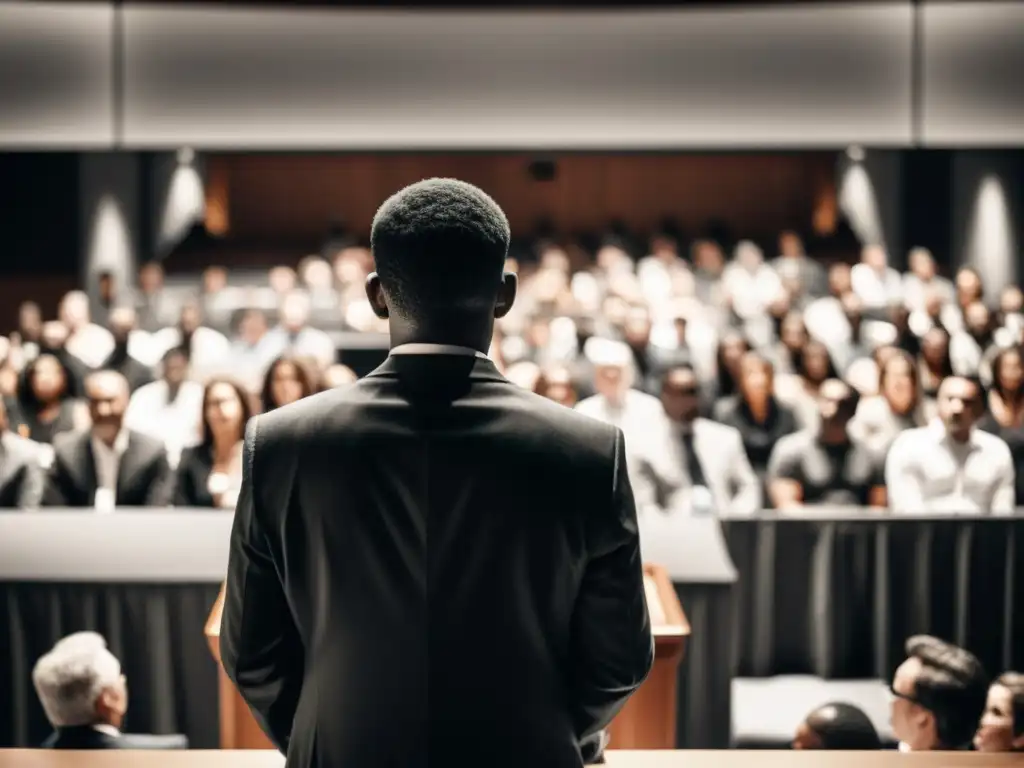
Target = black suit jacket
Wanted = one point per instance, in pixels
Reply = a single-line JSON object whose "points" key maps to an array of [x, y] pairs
{"points": [[86, 737], [434, 566], [192, 476], [21, 475], [144, 477]]}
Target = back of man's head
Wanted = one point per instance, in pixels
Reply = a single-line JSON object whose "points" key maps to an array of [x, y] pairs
{"points": [[71, 677], [440, 247], [952, 685]]}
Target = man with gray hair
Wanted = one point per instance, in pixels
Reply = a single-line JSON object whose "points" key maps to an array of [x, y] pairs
{"points": [[85, 697]]}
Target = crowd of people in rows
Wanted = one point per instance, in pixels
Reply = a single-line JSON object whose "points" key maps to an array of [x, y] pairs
{"points": [[740, 383]]}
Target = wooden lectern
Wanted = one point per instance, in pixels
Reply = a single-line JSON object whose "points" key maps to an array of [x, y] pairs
{"points": [[238, 728], [648, 721]]}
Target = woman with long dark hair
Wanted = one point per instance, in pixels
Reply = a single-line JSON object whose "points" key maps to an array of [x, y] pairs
{"points": [[45, 405], [1005, 413], [288, 380], [1002, 724], [799, 390], [899, 404], [210, 474]]}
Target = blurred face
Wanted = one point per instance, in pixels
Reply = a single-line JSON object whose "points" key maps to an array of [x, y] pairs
{"points": [[190, 318], [839, 279], [30, 319], [1011, 301], [922, 265], [282, 279], [54, 334], [560, 388], [755, 379], [108, 397], [749, 257], [995, 733], [733, 349], [215, 279], [294, 313], [638, 328], [977, 318], [74, 310], [122, 322], [151, 278], [805, 738], [911, 723], [610, 381], [968, 286], [680, 396], [934, 346], [958, 403], [48, 381], [789, 245], [175, 370], [816, 362], [898, 386], [224, 409], [252, 327], [874, 257], [793, 332], [285, 384], [1011, 372], [834, 400]]}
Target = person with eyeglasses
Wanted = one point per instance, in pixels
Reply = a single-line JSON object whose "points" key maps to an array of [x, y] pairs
{"points": [[937, 696]]}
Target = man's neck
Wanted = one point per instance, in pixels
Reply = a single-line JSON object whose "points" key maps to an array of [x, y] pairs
{"points": [[834, 435], [472, 336]]}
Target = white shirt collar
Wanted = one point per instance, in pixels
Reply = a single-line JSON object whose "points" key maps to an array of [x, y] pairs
{"points": [[437, 349], [107, 729], [939, 430]]}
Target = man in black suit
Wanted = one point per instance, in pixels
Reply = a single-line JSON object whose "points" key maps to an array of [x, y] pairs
{"points": [[21, 474], [108, 466], [433, 566], [85, 697]]}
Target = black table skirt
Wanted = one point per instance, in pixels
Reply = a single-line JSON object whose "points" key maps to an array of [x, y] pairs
{"points": [[156, 630]]}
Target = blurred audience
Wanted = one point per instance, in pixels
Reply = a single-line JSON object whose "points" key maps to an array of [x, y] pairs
{"points": [[288, 379], [21, 471], [170, 408]]}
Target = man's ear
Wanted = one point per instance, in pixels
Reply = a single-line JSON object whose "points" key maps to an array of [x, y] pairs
{"points": [[506, 294], [375, 293]]}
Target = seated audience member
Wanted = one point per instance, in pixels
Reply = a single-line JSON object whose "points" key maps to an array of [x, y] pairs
{"points": [[794, 266], [968, 347], [206, 348], [156, 309], [689, 463], [750, 286], [725, 385], [337, 375], [923, 281], [876, 283], [54, 337], [938, 696], [210, 474], [793, 337], [950, 466], [45, 405], [898, 406], [555, 383], [250, 352], [122, 325], [21, 474], [85, 696], [799, 391], [295, 336], [90, 343], [1002, 724], [170, 409], [934, 366], [108, 465], [837, 726], [1005, 414], [616, 402], [756, 413], [822, 465], [288, 380]]}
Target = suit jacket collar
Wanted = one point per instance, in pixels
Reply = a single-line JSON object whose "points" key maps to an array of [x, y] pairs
{"points": [[437, 379], [83, 464]]}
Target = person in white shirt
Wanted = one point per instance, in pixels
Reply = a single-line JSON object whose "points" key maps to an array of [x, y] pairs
{"points": [[950, 466], [90, 343], [170, 409], [876, 283], [294, 336], [616, 402]]}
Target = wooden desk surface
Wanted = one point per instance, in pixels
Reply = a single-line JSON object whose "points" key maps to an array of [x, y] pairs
{"points": [[42, 758]]}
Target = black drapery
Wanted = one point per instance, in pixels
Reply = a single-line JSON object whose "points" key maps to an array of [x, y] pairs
{"points": [[155, 630]]}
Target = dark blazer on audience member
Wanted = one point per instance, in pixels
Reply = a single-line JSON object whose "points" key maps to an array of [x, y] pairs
{"points": [[87, 737], [144, 477], [192, 477], [21, 475], [434, 566]]}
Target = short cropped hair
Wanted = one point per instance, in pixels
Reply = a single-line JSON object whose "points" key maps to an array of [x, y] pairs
{"points": [[952, 685], [843, 726], [70, 678], [440, 247]]}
